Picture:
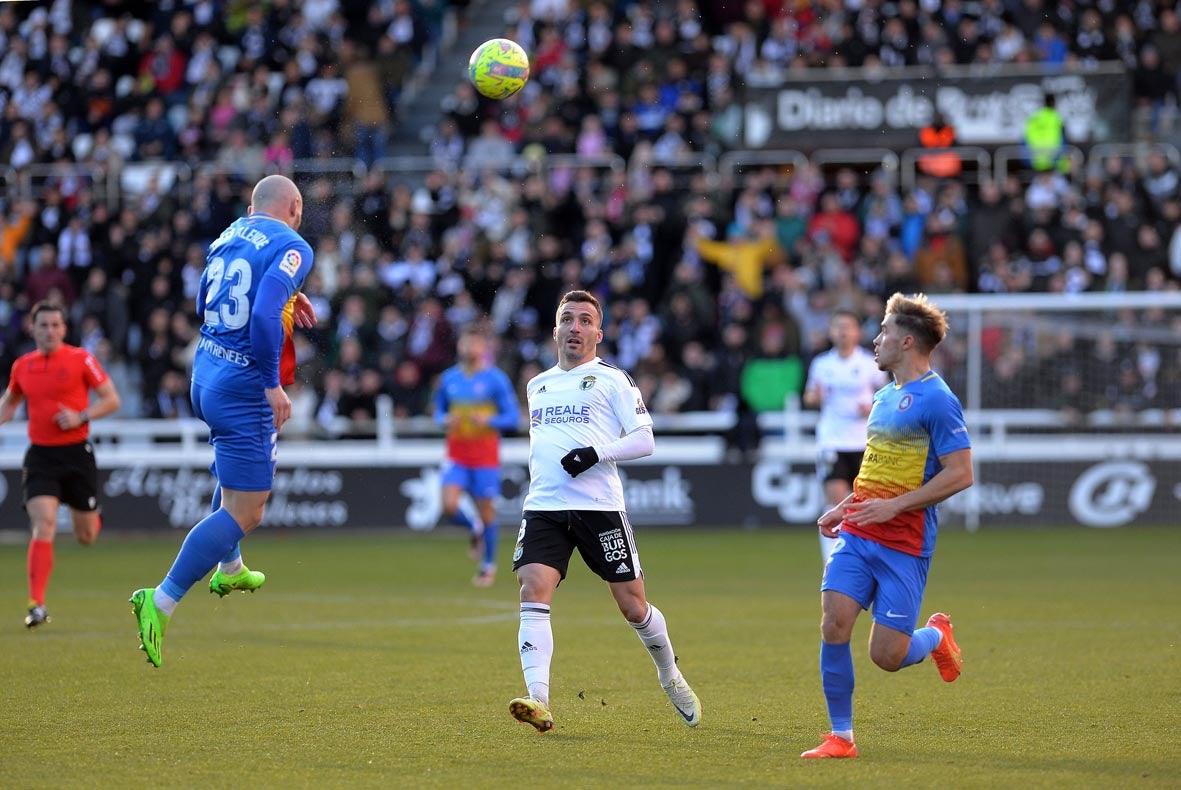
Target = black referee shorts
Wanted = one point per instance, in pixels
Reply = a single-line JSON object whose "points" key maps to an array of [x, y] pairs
{"points": [[603, 537], [839, 465], [66, 472]]}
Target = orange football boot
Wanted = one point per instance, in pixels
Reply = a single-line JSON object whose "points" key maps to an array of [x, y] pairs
{"points": [[947, 657], [833, 746]]}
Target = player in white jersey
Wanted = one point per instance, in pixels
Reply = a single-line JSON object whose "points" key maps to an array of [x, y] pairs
{"points": [[584, 416], [841, 381]]}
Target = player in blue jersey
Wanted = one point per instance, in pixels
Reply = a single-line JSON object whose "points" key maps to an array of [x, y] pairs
{"points": [[475, 402], [917, 454], [249, 300]]}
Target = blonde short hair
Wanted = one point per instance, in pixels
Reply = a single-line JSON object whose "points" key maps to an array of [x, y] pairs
{"points": [[919, 317]]}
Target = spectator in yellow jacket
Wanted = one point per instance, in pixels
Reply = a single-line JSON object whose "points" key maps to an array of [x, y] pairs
{"points": [[14, 227], [747, 258]]}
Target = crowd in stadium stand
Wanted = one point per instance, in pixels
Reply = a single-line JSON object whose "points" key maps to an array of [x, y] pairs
{"points": [[703, 287]]}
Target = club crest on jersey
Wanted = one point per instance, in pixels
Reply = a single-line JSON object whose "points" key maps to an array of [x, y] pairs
{"points": [[290, 262], [906, 402], [587, 382]]}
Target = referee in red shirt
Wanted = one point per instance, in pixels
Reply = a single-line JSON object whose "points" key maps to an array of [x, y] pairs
{"points": [[56, 380]]}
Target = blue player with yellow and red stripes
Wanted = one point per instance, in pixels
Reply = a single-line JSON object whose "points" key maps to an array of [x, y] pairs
{"points": [[917, 454], [475, 403]]}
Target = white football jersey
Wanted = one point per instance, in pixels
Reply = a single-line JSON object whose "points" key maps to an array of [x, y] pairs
{"points": [[587, 406], [848, 385]]}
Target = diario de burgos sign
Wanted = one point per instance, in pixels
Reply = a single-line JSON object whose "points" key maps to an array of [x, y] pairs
{"points": [[817, 109]]}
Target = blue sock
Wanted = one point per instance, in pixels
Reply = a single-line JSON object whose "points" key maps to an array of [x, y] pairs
{"points": [[836, 676], [463, 520], [922, 642], [491, 531], [214, 506], [212, 538], [232, 554]]}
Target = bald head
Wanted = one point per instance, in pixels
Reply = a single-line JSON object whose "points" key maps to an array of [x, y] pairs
{"points": [[279, 197]]}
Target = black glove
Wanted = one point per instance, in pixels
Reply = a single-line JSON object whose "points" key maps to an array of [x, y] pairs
{"points": [[579, 460]]}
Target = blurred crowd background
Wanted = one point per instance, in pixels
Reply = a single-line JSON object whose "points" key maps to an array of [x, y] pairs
{"points": [[716, 298]]}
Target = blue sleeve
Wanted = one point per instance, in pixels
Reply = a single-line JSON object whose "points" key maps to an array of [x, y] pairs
{"points": [[508, 413], [945, 423], [441, 405], [266, 328], [279, 284]]}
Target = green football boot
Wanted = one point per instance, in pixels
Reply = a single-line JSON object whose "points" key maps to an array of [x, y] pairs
{"points": [[530, 710], [152, 624], [245, 580]]}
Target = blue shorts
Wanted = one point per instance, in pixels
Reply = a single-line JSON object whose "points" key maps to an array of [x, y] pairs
{"points": [[242, 432], [482, 482], [890, 581]]}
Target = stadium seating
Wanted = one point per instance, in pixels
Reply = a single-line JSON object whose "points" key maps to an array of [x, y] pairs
{"points": [[285, 108]]}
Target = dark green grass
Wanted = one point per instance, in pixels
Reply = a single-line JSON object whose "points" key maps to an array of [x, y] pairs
{"points": [[370, 661]]}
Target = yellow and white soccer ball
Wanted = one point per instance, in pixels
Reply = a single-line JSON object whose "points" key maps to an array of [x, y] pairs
{"points": [[499, 68]]}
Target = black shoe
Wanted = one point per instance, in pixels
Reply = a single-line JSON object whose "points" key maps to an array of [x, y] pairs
{"points": [[37, 616]]}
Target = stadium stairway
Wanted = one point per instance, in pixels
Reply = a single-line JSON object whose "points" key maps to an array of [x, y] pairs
{"points": [[418, 109]]}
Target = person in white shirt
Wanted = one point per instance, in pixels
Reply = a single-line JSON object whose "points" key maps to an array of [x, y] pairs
{"points": [[841, 382], [584, 416]]}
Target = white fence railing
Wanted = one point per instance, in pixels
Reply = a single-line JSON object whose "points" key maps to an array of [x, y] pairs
{"points": [[116, 186]]}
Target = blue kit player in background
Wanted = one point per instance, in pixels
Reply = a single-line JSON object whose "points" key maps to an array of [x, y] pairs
{"points": [[917, 454], [249, 299], [475, 402]]}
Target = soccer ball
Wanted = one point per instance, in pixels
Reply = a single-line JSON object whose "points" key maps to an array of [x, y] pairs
{"points": [[498, 68]]}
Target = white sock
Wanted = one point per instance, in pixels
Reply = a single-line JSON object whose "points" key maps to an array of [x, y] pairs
{"points": [[231, 568], [846, 734], [535, 640], [163, 602], [653, 632]]}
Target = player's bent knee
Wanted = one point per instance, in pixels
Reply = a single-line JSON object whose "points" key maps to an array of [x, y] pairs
{"points": [[535, 587], [634, 614], [44, 530], [538, 593], [835, 630]]}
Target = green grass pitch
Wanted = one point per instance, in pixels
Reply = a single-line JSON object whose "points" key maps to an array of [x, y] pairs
{"points": [[368, 660]]}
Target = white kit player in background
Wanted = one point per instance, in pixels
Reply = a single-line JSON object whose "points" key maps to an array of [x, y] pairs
{"points": [[584, 416], [842, 382]]}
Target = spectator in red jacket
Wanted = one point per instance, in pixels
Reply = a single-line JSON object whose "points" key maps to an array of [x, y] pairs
{"points": [[162, 71], [841, 225], [47, 277]]}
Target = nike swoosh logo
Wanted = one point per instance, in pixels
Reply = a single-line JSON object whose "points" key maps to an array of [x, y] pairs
{"points": [[688, 717], [893, 615]]}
